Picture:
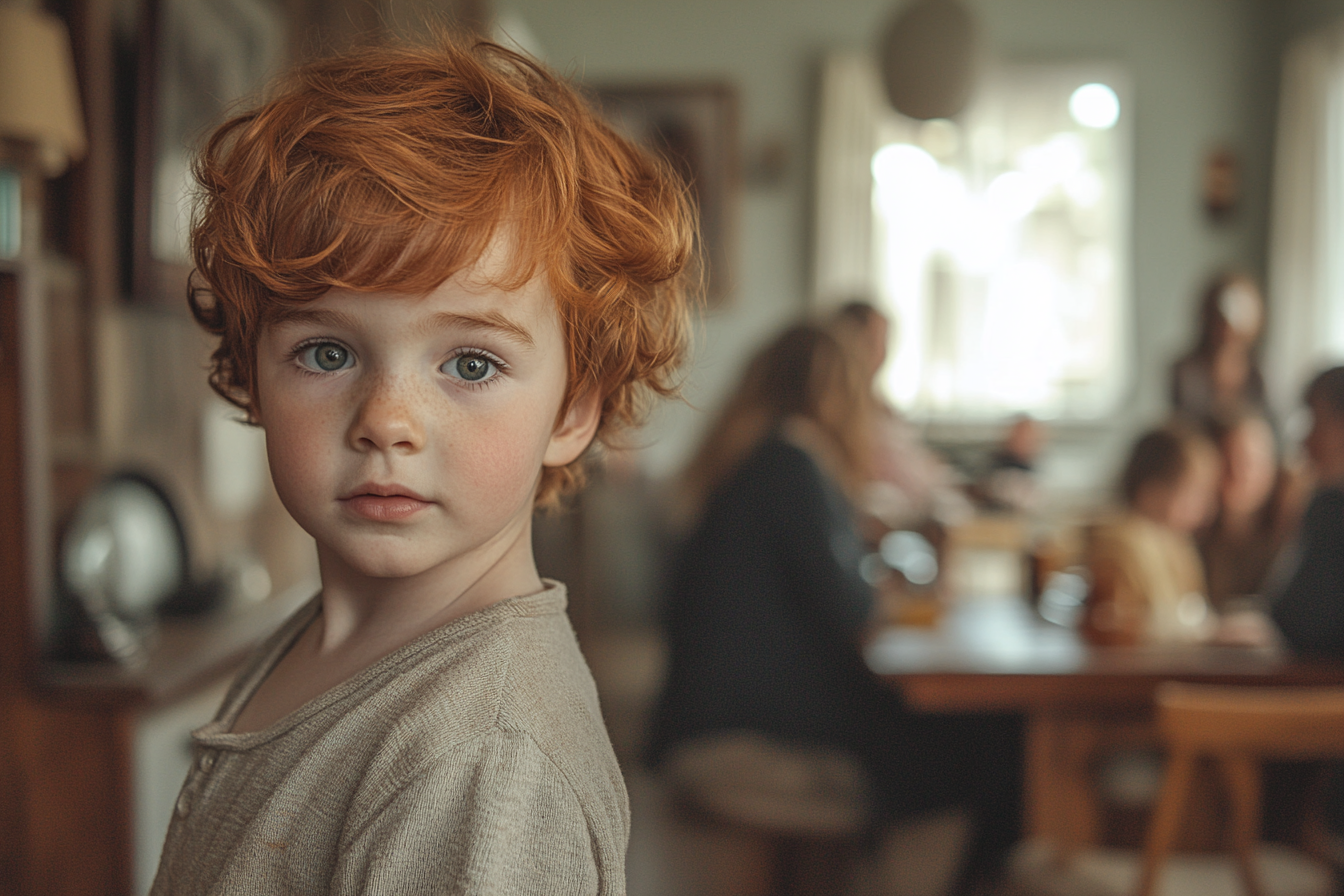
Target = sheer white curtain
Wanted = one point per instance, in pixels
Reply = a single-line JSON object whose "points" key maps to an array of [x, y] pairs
{"points": [[1306, 250], [851, 108]]}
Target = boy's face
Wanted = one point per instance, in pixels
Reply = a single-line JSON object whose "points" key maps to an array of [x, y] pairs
{"points": [[407, 434]]}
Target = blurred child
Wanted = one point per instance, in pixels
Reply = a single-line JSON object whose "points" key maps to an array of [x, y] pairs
{"points": [[1309, 606], [1148, 582], [436, 277]]}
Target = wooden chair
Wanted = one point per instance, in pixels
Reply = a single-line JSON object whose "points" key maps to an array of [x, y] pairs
{"points": [[1237, 728]]}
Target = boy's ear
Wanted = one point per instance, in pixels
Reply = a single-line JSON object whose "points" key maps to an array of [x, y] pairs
{"points": [[575, 430]]}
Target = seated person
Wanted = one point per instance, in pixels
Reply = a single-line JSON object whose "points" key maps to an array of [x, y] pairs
{"points": [[1257, 508], [1148, 581], [905, 482], [1222, 371], [1009, 482], [765, 610], [1309, 604]]}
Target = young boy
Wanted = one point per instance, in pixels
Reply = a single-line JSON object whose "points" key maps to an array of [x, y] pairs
{"points": [[1147, 578], [436, 278]]}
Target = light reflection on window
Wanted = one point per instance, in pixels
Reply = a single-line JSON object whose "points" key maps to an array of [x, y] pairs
{"points": [[1003, 248]]}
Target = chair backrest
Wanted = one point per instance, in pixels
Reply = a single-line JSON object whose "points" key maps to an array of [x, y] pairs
{"points": [[1286, 723]]}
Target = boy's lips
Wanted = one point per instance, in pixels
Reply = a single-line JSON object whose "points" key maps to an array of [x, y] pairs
{"points": [[384, 503]]}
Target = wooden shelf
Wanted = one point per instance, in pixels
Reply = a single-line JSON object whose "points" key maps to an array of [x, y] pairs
{"points": [[186, 655]]}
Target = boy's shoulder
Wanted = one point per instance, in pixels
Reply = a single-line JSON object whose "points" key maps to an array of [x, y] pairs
{"points": [[511, 670], [506, 679]]}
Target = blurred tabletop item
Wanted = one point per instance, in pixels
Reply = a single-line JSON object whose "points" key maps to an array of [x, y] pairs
{"points": [[993, 654]]}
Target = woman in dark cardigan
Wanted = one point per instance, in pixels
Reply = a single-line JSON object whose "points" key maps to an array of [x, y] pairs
{"points": [[766, 607]]}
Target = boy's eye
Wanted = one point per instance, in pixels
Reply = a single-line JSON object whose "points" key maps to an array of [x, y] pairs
{"points": [[326, 356], [472, 368]]}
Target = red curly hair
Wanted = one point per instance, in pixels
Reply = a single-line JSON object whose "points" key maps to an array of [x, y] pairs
{"points": [[393, 167]]}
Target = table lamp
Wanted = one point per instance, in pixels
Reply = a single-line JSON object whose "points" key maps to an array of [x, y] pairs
{"points": [[39, 101], [41, 128]]}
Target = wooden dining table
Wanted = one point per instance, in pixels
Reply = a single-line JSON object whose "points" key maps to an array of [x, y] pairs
{"points": [[995, 655]]}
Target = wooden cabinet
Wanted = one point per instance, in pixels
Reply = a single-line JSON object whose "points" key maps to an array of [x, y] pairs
{"points": [[69, 732], [90, 383], [73, 737], [64, 808]]}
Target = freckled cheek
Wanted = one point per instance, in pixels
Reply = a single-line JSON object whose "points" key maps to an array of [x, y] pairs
{"points": [[498, 462], [300, 451]]}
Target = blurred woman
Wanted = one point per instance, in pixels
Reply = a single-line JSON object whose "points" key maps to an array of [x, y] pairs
{"points": [[1257, 508], [1222, 372], [767, 702], [1309, 606], [907, 484], [765, 602]]}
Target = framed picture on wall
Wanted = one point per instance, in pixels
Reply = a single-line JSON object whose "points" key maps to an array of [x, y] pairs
{"points": [[197, 57], [693, 126]]}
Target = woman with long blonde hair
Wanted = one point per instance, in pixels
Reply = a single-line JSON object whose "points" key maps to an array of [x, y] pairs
{"points": [[766, 686], [765, 603], [804, 386]]}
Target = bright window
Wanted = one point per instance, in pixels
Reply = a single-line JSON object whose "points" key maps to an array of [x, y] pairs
{"points": [[1001, 247]]}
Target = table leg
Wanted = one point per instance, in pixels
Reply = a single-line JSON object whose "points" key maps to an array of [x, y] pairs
{"points": [[1060, 798], [1041, 801], [1081, 738]]}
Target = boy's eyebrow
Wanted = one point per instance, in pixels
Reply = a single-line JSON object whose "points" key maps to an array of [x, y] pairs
{"points": [[489, 320], [320, 316]]}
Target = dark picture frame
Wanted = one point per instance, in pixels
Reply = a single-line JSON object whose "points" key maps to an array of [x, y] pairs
{"points": [[196, 58], [693, 126]]}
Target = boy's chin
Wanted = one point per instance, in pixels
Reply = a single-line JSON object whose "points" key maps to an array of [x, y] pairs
{"points": [[379, 564]]}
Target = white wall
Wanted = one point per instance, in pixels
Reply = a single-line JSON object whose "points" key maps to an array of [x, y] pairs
{"points": [[1205, 72]]}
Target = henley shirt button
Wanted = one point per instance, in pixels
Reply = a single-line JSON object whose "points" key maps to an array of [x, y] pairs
{"points": [[183, 804], [206, 762]]}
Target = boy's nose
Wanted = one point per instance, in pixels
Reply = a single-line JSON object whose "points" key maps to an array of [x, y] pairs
{"points": [[387, 419]]}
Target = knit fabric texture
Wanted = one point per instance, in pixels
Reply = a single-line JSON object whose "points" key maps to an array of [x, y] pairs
{"points": [[472, 760]]}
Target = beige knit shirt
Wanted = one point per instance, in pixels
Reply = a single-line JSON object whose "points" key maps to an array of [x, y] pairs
{"points": [[1154, 569], [472, 760]]}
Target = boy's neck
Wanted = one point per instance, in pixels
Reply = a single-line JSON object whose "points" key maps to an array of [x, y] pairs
{"points": [[397, 610]]}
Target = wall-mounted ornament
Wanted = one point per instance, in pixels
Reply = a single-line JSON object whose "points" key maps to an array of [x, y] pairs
{"points": [[929, 56], [1221, 184]]}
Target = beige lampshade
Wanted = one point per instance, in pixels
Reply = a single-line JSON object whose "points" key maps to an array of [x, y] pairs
{"points": [[39, 101], [929, 57]]}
